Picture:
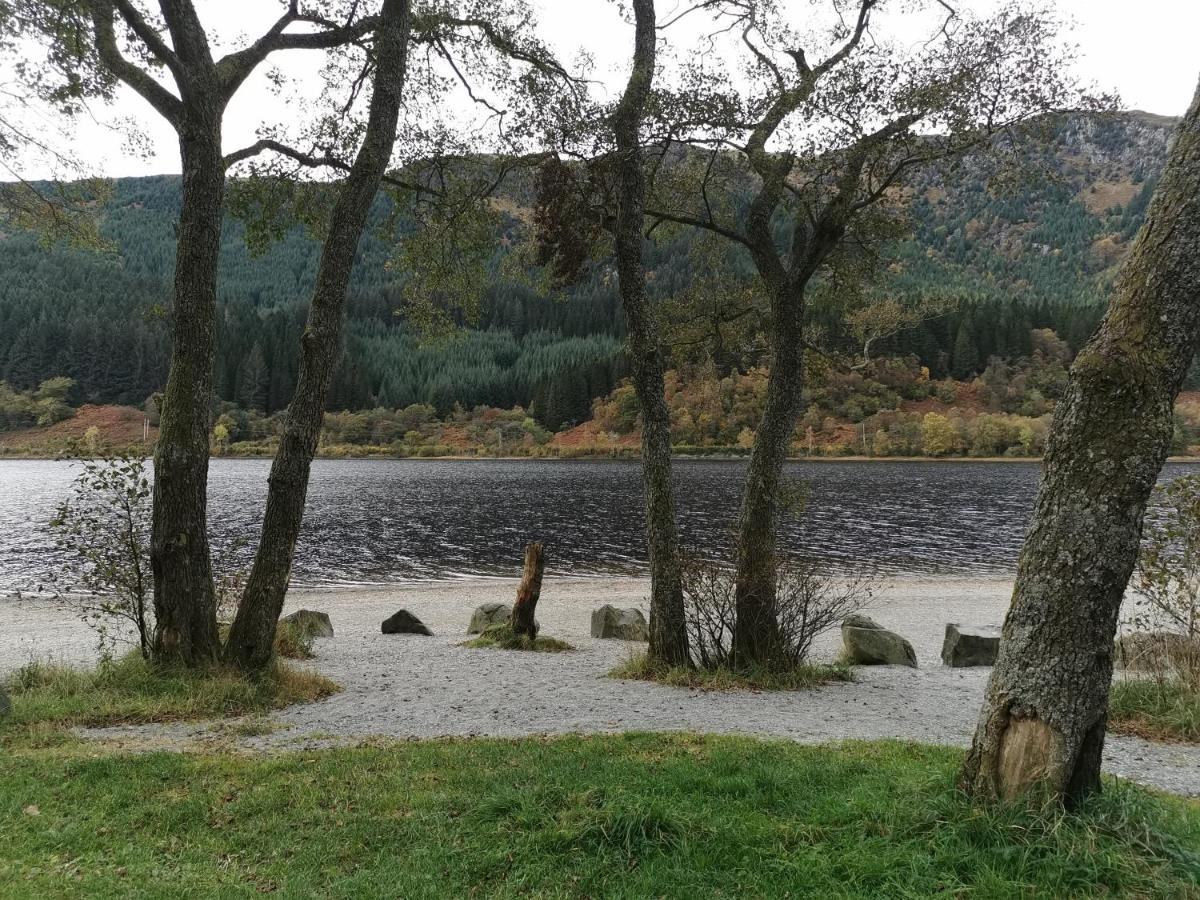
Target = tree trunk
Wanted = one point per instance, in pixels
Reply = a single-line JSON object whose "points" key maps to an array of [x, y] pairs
{"points": [[252, 638], [523, 621], [668, 632], [1042, 726], [756, 630], [184, 598]]}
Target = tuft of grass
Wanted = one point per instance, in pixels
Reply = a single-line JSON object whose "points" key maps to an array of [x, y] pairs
{"points": [[629, 815], [1165, 709], [293, 641], [640, 667], [132, 691], [502, 637]]}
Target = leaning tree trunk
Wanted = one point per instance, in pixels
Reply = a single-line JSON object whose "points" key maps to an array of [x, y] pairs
{"points": [[668, 632], [252, 637], [524, 612], [184, 597], [1042, 726], [756, 631]]}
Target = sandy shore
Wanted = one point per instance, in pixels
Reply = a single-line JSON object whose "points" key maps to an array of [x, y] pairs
{"points": [[414, 687]]}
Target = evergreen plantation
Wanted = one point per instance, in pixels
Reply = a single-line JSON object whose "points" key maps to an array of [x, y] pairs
{"points": [[1034, 253]]}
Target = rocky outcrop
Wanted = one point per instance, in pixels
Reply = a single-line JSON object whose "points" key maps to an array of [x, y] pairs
{"points": [[312, 622], [404, 622], [870, 644], [970, 645], [620, 624]]}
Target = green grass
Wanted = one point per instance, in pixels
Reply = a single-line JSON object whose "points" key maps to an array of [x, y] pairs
{"points": [[640, 667], [1162, 710], [631, 815], [131, 691], [502, 637]]}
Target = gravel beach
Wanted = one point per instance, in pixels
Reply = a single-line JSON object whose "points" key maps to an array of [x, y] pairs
{"points": [[404, 686]]}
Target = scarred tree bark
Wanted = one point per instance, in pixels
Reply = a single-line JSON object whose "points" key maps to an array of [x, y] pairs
{"points": [[668, 633], [1043, 721], [252, 637]]}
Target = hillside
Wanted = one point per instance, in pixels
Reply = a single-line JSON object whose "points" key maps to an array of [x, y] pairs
{"points": [[1031, 254]]}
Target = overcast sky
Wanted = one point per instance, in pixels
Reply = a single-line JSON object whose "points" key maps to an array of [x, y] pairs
{"points": [[1145, 50]]}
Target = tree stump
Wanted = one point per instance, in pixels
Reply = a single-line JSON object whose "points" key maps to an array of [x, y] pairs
{"points": [[529, 591]]}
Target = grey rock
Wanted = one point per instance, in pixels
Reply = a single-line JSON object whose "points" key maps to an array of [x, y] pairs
{"points": [[621, 624], [970, 645], [312, 621], [404, 622], [870, 644], [488, 615]]}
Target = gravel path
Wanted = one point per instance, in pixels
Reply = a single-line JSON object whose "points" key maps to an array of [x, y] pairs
{"points": [[414, 687]]}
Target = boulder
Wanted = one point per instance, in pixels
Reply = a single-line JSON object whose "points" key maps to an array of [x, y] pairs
{"points": [[870, 644], [970, 645], [404, 622], [314, 623], [488, 615], [621, 624]]}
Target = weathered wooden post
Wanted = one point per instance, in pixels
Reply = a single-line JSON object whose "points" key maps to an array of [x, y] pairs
{"points": [[529, 591]]}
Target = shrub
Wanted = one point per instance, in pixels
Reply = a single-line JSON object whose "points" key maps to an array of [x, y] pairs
{"points": [[809, 601]]}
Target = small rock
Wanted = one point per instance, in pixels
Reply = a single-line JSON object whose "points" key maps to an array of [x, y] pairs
{"points": [[621, 624], [404, 622], [488, 615], [970, 645], [868, 643], [311, 621]]}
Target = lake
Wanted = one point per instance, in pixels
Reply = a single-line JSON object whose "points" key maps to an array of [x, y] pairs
{"points": [[380, 521]]}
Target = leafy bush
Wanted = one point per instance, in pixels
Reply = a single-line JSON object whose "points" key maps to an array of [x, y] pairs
{"points": [[104, 531]]}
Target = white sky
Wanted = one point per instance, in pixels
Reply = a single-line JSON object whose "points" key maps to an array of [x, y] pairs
{"points": [[1144, 49]]}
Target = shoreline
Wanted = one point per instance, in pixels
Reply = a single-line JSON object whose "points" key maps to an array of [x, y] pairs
{"points": [[406, 687]]}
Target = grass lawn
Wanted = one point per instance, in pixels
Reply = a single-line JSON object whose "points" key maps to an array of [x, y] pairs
{"points": [[1166, 710], [633, 815]]}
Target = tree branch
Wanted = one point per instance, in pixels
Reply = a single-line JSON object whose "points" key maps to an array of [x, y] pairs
{"points": [[164, 102]]}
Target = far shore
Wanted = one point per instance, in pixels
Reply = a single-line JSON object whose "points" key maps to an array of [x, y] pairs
{"points": [[595, 457]]}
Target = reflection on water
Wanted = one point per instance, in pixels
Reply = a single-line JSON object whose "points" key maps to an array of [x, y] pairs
{"points": [[390, 520]]}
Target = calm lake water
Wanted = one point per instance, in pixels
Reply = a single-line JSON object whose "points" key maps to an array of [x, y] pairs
{"points": [[379, 521]]}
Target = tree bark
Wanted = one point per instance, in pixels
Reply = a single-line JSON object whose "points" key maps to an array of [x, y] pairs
{"points": [[530, 590], [668, 631], [252, 638], [756, 629], [184, 597], [1043, 721]]}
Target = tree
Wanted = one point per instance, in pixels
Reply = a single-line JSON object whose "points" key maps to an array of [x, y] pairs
{"points": [[1043, 721], [96, 44], [884, 317], [668, 632], [252, 636], [824, 144]]}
